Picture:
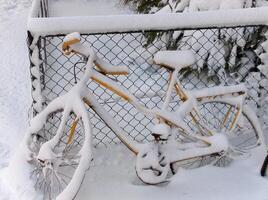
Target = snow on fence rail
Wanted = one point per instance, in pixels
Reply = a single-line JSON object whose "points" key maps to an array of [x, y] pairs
{"points": [[226, 43], [141, 22]]}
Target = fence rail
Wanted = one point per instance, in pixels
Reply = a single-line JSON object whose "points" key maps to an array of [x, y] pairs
{"points": [[40, 23]]}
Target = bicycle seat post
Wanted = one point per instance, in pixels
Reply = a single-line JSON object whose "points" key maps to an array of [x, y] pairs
{"points": [[172, 82], [161, 130]]}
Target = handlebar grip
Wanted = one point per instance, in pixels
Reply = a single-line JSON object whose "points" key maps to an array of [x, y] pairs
{"points": [[72, 43], [69, 40]]}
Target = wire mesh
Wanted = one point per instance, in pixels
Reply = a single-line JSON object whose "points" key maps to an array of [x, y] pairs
{"points": [[223, 57]]}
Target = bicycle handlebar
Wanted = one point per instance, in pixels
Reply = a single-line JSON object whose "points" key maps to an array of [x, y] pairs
{"points": [[72, 44]]}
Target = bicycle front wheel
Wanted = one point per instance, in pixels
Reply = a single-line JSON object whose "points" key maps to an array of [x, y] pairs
{"points": [[59, 176]]}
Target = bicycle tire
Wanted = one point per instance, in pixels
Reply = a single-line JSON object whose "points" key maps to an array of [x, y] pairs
{"points": [[213, 113], [64, 178]]}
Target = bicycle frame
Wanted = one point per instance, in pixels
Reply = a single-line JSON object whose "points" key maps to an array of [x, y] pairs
{"points": [[156, 157], [190, 100]]}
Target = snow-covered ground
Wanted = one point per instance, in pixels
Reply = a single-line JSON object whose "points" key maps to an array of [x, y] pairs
{"points": [[14, 82], [112, 175], [62, 8]]}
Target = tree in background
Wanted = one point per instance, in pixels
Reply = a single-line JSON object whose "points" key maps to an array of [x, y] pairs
{"points": [[153, 6], [262, 73]]}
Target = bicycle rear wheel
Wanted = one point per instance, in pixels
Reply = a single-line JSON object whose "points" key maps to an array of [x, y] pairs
{"points": [[243, 133]]}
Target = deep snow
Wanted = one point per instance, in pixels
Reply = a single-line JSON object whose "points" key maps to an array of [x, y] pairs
{"points": [[73, 8], [112, 175], [14, 83]]}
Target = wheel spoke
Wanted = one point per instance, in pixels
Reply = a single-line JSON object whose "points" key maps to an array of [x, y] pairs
{"points": [[52, 176], [242, 138]]}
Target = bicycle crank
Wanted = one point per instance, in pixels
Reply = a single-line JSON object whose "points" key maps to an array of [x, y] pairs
{"points": [[152, 165]]}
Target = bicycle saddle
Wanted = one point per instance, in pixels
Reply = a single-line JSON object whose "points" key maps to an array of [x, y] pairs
{"points": [[174, 59]]}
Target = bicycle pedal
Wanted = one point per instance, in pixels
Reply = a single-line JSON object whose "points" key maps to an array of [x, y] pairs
{"points": [[161, 132]]}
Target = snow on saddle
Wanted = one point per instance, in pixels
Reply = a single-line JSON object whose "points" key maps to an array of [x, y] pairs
{"points": [[174, 59]]}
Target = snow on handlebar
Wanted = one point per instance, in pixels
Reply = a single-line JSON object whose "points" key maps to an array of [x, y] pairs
{"points": [[72, 44]]}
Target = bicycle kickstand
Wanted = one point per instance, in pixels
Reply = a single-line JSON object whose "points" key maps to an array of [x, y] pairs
{"points": [[264, 166]]}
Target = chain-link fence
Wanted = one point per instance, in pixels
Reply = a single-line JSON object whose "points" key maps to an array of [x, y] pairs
{"points": [[224, 56]]}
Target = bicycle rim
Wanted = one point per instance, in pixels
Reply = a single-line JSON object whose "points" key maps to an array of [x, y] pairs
{"points": [[219, 117], [51, 180]]}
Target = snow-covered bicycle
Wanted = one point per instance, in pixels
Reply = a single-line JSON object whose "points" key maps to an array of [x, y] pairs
{"points": [[211, 126]]}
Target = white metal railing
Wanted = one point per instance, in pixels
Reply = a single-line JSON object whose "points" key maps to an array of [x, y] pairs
{"points": [[142, 22]]}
